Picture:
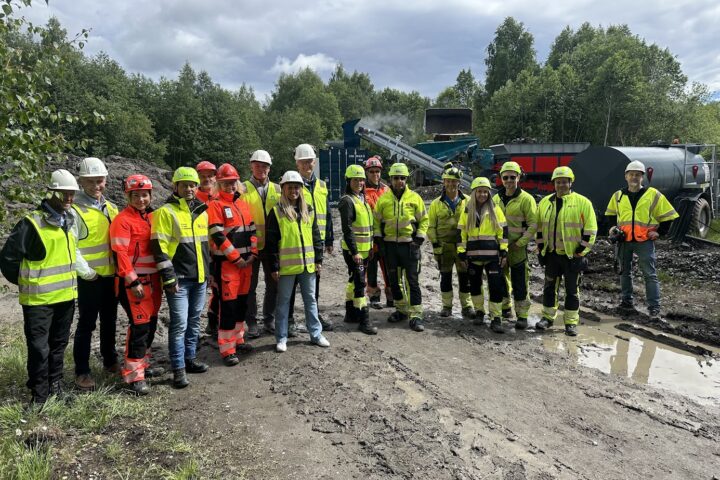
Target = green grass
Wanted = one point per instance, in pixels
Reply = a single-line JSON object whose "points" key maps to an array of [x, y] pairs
{"points": [[714, 233], [96, 428]]}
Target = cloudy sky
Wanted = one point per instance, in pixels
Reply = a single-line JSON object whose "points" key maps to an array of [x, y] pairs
{"points": [[406, 44]]}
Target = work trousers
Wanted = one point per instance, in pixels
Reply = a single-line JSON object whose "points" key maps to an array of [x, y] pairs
{"points": [[232, 306], [96, 297], [355, 289], [371, 272], [143, 317], [517, 279], [645, 252], [557, 268], [496, 286], [447, 260], [47, 332], [214, 304], [403, 264], [270, 296]]}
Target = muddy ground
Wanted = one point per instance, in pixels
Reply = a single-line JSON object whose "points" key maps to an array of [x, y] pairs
{"points": [[460, 402]]}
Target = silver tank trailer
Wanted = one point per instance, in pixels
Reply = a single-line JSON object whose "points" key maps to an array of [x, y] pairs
{"points": [[600, 171]]}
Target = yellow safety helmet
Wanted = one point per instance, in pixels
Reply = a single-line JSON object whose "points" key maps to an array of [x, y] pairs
{"points": [[480, 182], [563, 172], [511, 167], [354, 171], [399, 170], [452, 173], [186, 174]]}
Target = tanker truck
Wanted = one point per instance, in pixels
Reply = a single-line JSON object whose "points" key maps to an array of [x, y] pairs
{"points": [[678, 171]]}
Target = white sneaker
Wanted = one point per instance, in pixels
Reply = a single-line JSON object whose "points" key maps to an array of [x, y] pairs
{"points": [[281, 347], [321, 342]]}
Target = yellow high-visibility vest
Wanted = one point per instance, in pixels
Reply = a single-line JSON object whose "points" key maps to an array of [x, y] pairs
{"points": [[296, 249], [575, 219], [483, 241], [318, 201], [361, 227], [651, 209], [95, 248], [260, 210]]}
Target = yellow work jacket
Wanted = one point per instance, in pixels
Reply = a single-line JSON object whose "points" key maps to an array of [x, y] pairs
{"points": [[443, 222], [520, 212], [52, 279], [179, 240], [260, 210], [483, 241], [564, 232], [296, 250], [94, 236], [398, 220], [651, 209]]}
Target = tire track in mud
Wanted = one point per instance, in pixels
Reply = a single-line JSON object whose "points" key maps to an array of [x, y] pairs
{"points": [[393, 423]]}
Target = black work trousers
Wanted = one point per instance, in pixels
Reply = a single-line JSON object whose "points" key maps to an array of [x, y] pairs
{"points": [[356, 274], [403, 259], [559, 267], [270, 296], [95, 298], [47, 332]]}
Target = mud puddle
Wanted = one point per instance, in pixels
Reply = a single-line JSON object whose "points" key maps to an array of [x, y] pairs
{"points": [[601, 346]]}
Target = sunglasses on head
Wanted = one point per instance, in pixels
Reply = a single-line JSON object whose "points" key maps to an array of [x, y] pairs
{"points": [[508, 177]]}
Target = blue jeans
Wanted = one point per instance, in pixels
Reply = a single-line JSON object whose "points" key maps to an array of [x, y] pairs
{"points": [[184, 331], [645, 252], [285, 290]]}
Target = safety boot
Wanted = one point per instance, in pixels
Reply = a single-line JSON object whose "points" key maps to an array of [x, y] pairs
{"points": [[390, 303], [350, 313], [180, 378], [375, 302], [654, 314], [468, 312], [571, 330], [507, 313], [521, 323], [56, 388], [231, 360], [292, 329], [480, 317], [416, 324], [446, 312], [140, 388], [496, 325], [626, 307], [327, 325], [151, 372], [253, 332], [194, 366], [397, 316], [85, 382], [366, 325], [543, 324], [243, 348]]}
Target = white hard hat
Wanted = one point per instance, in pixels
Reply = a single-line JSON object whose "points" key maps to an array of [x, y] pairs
{"points": [[92, 167], [291, 176], [261, 156], [635, 166], [63, 180], [304, 151]]}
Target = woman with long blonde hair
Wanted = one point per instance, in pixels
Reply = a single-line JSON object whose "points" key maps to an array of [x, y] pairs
{"points": [[484, 247], [295, 249]]}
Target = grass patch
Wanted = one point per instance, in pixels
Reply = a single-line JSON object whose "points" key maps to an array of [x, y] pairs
{"points": [[107, 431], [714, 233]]}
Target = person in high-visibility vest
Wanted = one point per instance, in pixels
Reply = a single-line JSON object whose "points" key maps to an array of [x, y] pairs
{"points": [[261, 195], [400, 228], [642, 214], [234, 250], [566, 230], [96, 271], [356, 219], [483, 247], [139, 286], [207, 173], [317, 196], [374, 187], [295, 247], [520, 209], [39, 257], [179, 241], [444, 213]]}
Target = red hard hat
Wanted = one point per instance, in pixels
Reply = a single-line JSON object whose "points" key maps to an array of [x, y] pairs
{"points": [[373, 161], [227, 172], [205, 165], [137, 182]]}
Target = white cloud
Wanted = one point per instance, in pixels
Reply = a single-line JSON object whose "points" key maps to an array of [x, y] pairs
{"points": [[318, 62]]}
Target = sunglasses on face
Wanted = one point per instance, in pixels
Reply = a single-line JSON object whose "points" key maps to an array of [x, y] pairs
{"points": [[399, 178], [508, 177]]}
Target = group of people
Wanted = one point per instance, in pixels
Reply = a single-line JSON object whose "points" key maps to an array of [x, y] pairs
{"points": [[215, 232]]}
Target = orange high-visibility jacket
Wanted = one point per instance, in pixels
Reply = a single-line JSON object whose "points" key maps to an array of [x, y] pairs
{"points": [[130, 240], [373, 193]]}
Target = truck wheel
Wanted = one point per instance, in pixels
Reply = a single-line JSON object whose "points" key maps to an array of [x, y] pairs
{"points": [[702, 216]]}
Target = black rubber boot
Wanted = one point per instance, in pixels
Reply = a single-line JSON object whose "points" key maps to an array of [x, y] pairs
{"points": [[397, 316], [521, 324], [571, 330], [543, 324], [140, 388], [350, 315], [180, 378], [416, 324], [507, 313], [193, 366], [366, 325], [496, 325]]}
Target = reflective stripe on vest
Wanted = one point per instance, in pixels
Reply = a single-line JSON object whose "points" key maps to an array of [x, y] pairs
{"points": [[258, 210], [318, 201], [95, 248], [651, 208], [361, 227], [296, 251], [482, 241], [53, 279]]}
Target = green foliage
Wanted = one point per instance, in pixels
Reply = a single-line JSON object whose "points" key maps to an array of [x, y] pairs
{"points": [[510, 52]]}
